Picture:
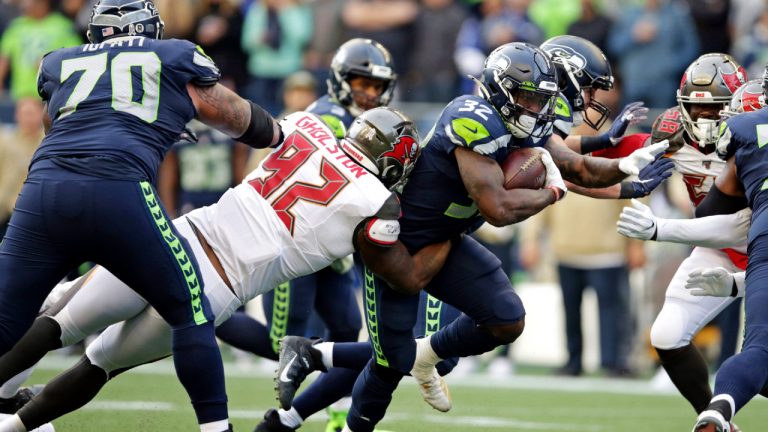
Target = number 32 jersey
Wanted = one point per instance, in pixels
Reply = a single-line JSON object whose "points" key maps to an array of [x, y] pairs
{"points": [[297, 212], [117, 107]]}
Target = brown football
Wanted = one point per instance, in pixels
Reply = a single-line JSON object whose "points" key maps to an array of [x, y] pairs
{"points": [[523, 169]]}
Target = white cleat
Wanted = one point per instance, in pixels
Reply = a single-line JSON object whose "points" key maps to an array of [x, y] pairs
{"points": [[433, 388], [712, 421]]}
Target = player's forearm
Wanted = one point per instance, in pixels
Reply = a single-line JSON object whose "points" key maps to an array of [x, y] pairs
{"points": [[591, 172], [508, 207], [719, 231], [610, 192], [404, 273], [427, 262]]}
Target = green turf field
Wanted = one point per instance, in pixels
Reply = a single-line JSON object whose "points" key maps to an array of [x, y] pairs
{"points": [[151, 399]]}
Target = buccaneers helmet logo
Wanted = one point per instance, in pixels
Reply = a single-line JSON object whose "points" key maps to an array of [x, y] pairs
{"points": [[404, 148], [734, 80]]}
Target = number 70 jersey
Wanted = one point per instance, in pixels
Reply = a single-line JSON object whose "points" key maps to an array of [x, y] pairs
{"points": [[293, 215]]}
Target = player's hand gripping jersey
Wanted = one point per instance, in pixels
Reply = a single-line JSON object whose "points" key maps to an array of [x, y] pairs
{"points": [[116, 88], [436, 204], [297, 212]]}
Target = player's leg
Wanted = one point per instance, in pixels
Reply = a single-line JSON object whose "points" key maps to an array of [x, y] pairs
{"points": [[91, 303], [336, 304], [572, 284], [146, 251], [745, 374], [34, 254], [244, 332], [435, 314], [681, 317]]}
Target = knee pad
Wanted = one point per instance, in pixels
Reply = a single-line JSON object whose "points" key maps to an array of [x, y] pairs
{"points": [[507, 308], [672, 328], [506, 333]]}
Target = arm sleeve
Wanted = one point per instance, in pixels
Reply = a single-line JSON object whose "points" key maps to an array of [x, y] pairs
{"points": [[720, 231]]}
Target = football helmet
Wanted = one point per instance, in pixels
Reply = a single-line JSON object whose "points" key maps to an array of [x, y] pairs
{"points": [[748, 97], [360, 57], [581, 65], [385, 142], [112, 18], [520, 81], [710, 79]]}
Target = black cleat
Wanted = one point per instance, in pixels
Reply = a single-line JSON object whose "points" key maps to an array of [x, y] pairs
{"points": [[14, 403], [271, 423], [297, 360]]}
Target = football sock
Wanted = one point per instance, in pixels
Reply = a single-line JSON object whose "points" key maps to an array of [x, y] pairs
{"points": [[723, 404], [326, 353], [462, 338], [325, 390], [43, 336], [290, 418], [12, 424], [9, 389], [198, 365], [743, 375], [217, 426], [352, 355], [64, 394], [371, 396], [688, 371], [245, 333]]}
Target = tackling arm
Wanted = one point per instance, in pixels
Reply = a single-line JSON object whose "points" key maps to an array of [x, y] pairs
{"points": [[484, 181]]}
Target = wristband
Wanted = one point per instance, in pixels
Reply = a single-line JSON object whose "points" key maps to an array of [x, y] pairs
{"points": [[263, 131], [627, 191], [590, 144]]}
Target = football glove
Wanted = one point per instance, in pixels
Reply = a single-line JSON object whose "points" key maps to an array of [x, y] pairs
{"points": [[637, 222], [640, 158], [649, 178], [631, 114], [714, 282], [554, 181]]}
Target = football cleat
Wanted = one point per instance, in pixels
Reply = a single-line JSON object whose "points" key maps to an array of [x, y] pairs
{"points": [[271, 423], [15, 402], [712, 421], [297, 360], [433, 388]]}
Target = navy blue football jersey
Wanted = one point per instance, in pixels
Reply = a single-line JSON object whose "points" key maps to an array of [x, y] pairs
{"points": [[333, 114], [436, 205], [744, 137], [117, 107]]}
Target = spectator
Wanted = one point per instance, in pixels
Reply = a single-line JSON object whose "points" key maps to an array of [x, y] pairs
{"points": [[554, 16], [179, 17], [433, 76], [711, 18], [653, 43], [299, 91], [328, 35], [218, 31], [752, 48], [16, 149], [275, 34], [592, 25], [28, 38]]}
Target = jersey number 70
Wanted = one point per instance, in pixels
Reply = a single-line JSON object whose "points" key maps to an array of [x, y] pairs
{"points": [[283, 163], [93, 67]]}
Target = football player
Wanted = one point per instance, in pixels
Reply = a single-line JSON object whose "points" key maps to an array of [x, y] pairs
{"points": [[461, 163], [114, 107], [708, 87], [307, 204]]}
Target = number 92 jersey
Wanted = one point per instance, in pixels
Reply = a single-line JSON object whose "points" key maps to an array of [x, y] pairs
{"points": [[297, 212], [744, 137], [436, 205], [123, 100]]}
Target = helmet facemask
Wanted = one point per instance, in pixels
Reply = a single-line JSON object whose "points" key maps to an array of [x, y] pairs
{"points": [[528, 111]]}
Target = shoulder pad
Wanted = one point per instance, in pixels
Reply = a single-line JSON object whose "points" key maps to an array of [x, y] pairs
{"points": [[669, 126]]}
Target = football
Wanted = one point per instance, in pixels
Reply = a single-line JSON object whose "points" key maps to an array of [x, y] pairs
{"points": [[523, 169]]}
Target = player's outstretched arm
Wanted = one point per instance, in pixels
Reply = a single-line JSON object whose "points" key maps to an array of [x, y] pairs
{"points": [[649, 179], [241, 119], [716, 282], [484, 181], [406, 274]]}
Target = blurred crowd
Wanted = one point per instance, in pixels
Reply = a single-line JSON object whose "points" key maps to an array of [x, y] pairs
{"points": [[277, 53]]}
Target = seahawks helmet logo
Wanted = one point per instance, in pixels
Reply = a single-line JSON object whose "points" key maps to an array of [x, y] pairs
{"points": [[566, 53], [499, 62]]}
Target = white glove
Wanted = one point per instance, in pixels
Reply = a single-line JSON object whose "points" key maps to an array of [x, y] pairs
{"points": [[632, 164], [553, 180], [637, 221], [714, 282]]}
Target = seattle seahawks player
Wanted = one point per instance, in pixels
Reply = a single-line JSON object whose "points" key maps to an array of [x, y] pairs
{"points": [[114, 107], [461, 160], [306, 205]]}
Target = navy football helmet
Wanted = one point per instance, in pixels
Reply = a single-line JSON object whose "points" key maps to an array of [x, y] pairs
{"points": [[385, 142], [581, 65], [112, 18], [520, 81], [364, 58]]}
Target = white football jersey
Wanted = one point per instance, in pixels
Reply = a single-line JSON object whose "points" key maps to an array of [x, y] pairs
{"points": [[698, 169], [293, 215]]}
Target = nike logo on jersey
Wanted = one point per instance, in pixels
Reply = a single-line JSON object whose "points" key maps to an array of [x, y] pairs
{"points": [[474, 131], [284, 374]]}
